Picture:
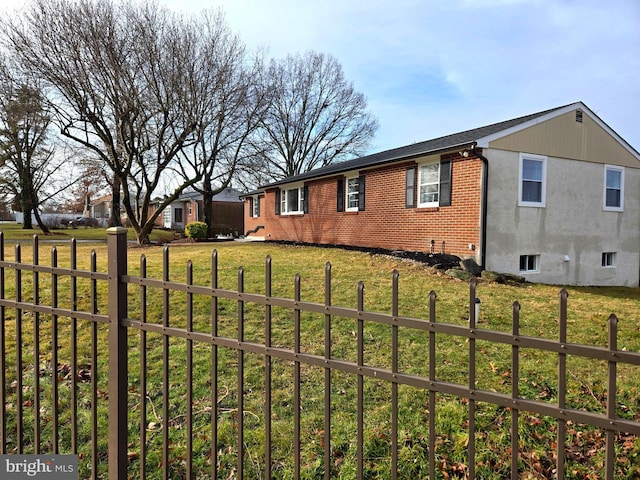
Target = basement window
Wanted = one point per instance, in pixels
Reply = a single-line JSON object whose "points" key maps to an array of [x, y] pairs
{"points": [[608, 259], [529, 263]]}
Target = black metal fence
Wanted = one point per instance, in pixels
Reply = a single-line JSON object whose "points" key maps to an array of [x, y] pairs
{"points": [[180, 364]]}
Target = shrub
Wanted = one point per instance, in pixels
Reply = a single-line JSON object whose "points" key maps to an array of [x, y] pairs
{"points": [[196, 230]]}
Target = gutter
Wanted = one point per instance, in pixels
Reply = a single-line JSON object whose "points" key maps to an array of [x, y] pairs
{"points": [[483, 206]]}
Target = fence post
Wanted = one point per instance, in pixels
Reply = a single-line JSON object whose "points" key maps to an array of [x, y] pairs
{"points": [[117, 306]]}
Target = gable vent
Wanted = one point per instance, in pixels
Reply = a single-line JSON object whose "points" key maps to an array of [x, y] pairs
{"points": [[579, 116]]}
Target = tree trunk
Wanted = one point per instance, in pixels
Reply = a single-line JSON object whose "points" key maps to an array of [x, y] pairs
{"points": [[26, 218], [115, 220], [207, 210], [41, 224], [27, 208], [143, 234]]}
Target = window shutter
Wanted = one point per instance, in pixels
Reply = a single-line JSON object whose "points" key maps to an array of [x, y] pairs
{"points": [[445, 183], [305, 199], [257, 206], [250, 206], [340, 195], [361, 193], [410, 188], [278, 202]]}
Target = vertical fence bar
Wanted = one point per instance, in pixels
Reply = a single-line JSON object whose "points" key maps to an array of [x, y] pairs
{"points": [[515, 391], [214, 366], [611, 397], [267, 370], [189, 456], [94, 371], [3, 356], [19, 386], [327, 373], [562, 383], [240, 387], [432, 392], [73, 286], [118, 360], [472, 379], [395, 282], [296, 379], [165, 365], [360, 384], [36, 351], [55, 392], [143, 371]]}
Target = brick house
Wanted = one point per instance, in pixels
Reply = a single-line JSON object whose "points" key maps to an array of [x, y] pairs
{"points": [[550, 196], [188, 208]]}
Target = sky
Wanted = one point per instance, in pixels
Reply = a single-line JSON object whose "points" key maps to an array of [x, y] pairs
{"points": [[434, 67]]}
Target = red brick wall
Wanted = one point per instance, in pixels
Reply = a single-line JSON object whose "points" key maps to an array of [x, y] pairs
{"points": [[385, 222]]}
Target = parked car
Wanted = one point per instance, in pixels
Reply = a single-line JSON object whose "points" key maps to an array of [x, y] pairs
{"points": [[84, 222]]}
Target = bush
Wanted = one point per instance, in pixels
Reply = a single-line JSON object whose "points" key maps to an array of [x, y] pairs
{"points": [[196, 230]]}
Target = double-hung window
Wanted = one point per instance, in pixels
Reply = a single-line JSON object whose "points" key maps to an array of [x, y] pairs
{"points": [[613, 188], [532, 186], [434, 184], [353, 184], [254, 206], [291, 201], [350, 193]]}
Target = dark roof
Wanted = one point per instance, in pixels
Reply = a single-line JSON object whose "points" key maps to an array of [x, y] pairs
{"points": [[227, 195], [440, 144]]}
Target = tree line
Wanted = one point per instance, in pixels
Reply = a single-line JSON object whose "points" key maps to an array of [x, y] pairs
{"points": [[149, 101]]}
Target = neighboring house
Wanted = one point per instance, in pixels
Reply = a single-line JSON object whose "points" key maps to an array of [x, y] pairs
{"points": [[100, 208], [227, 212], [551, 196]]}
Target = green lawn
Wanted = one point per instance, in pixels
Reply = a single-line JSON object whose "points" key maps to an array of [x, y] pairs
{"points": [[589, 309], [14, 231]]}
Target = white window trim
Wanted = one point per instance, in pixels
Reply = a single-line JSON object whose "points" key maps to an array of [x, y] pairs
{"points": [[347, 208], [418, 186], [283, 199], [543, 194], [254, 203], [604, 189], [536, 270], [612, 257]]}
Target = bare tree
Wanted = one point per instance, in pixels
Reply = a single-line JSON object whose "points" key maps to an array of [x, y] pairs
{"points": [[130, 82], [236, 106], [27, 161], [316, 117]]}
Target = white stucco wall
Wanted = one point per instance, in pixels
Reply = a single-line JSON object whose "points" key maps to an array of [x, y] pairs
{"points": [[572, 224]]}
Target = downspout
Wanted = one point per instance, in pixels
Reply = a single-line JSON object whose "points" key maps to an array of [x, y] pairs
{"points": [[483, 206]]}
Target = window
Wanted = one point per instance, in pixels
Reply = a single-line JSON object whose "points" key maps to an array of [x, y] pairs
{"points": [[178, 215], [529, 263], [350, 194], [434, 184], [254, 206], [292, 200], [609, 259], [533, 179], [613, 188], [190, 209]]}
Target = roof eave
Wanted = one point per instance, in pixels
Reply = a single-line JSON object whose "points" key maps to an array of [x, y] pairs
{"points": [[386, 161]]}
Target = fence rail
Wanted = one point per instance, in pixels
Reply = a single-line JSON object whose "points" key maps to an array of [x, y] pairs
{"points": [[42, 397]]}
